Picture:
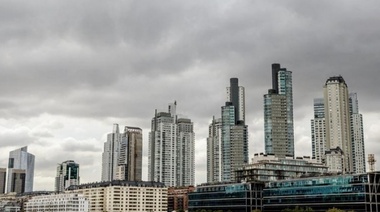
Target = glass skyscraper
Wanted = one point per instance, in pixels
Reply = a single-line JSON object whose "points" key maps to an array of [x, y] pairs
{"points": [[227, 144], [278, 114], [67, 175], [20, 171]]}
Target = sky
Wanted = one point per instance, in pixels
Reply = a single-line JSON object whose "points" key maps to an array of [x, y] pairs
{"points": [[71, 69]]}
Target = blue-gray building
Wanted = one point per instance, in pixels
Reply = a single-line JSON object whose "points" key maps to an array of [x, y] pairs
{"points": [[357, 192], [237, 197]]}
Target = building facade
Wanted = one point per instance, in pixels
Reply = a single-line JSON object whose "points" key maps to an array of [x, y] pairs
{"points": [[227, 143], [178, 198], [122, 156], [357, 136], [67, 175], [354, 192], [278, 114], [271, 168], [237, 197], [20, 172], [318, 131], [171, 149], [214, 151], [3, 179], [337, 114], [129, 165], [337, 130], [124, 196], [57, 202]]}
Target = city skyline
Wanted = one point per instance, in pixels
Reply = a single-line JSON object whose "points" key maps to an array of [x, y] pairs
{"points": [[65, 80]]}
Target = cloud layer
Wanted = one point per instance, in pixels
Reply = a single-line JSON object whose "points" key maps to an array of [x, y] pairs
{"points": [[69, 69]]}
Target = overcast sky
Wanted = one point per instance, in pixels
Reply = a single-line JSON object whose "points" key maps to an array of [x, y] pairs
{"points": [[70, 69]]}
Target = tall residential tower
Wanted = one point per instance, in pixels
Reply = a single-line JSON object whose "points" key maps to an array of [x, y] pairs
{"points": [[278, 114], [122, 156], [227, 144], [171, 149], [337, 129]]}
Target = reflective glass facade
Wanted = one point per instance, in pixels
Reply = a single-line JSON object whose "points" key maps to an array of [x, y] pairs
{"points": [[237, 197], [347, 192], [278, 114]]}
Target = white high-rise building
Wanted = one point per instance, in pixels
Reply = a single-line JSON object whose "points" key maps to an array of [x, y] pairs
{"points": [[171, 149], [214, 151], [318, 131], [110, 156], [337, 115], [357, 136], [337, 129], [20, 173]]}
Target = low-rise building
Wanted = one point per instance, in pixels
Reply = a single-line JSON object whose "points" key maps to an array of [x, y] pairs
{"points": [[120, 195], [237, 197], [57, 202], [352, 192], [269, 167], [178, 198]]}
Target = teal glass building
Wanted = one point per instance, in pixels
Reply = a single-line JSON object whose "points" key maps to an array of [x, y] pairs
{"points": [[358, 192], [237, 197]]}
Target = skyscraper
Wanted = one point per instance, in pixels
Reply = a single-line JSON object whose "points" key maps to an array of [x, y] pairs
{"points": [[110, 156], [171, 149], [338, 124], [337, 129], [357, 136], [227, 144], [214, 151], [67, 175], [20, 173], [122, 156], [130, 157], [318, 131], [278, 114]]}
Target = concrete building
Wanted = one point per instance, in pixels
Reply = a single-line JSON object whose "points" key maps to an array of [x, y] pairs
{"points": [[171, 149], [57, 202], [337, 129], [357, 136], [338, 124], [214, 151], [124, 196], [178, 198], [67, 175], [227, 146], [278, 114], [122, 156], [271, 168], [20, 173], [318, 131]]}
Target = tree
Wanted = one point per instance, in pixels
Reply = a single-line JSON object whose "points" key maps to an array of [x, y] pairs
{"points": [[256, 210], [335, 210], [298, 209]]}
